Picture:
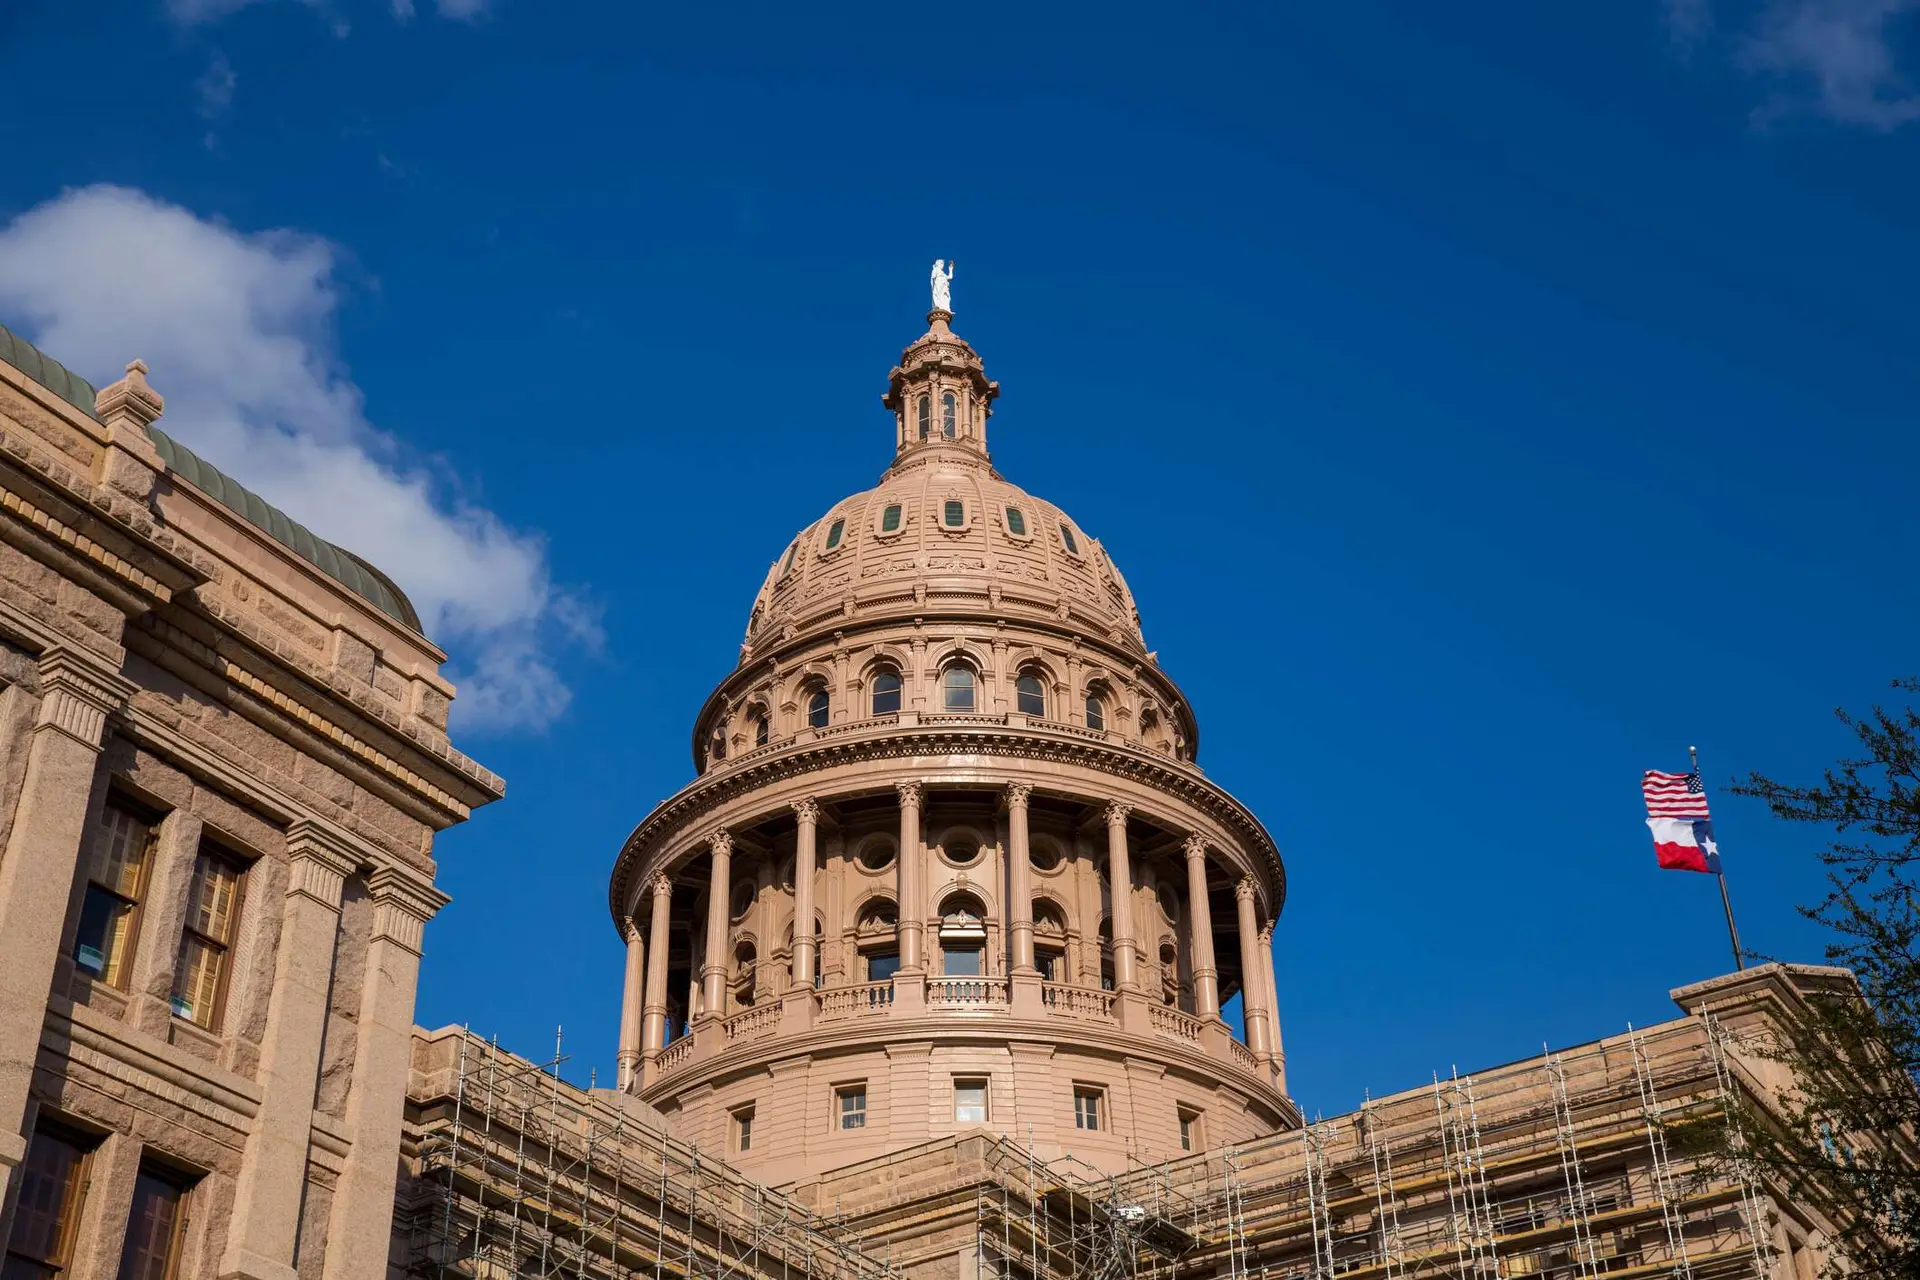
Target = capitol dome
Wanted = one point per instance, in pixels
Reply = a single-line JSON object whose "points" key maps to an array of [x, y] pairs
{"points": [[943, 532]]}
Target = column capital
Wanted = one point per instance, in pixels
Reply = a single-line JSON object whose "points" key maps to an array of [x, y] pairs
{"points": [[720, 840], [1196, 847], [1117, 811], [321, 860], [1018, 793], [807, 809], [629, 931], [78, 695], [1246, 889], [661, 885], [909, 793], [1266, 934], [402, 905]]}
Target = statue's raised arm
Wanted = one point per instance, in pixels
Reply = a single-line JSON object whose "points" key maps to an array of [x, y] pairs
{"points": [[942, 285]]}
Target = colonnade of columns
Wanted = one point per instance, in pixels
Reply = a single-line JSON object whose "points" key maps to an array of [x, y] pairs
{"points": [[643, 1022]]}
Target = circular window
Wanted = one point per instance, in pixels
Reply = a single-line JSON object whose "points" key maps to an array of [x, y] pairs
{"points": [[960, 852], [1043, 857], [877, 856]]}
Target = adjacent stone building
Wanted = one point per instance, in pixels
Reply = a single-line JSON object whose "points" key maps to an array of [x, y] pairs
{"points": [[223, 757]]}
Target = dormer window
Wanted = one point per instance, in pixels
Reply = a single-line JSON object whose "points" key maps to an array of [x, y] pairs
{"points": [[787, 566], [926, 416], [954, 515], [833, 534], [1016, 522], [1066, 537], [890, 518], [946, 416]]}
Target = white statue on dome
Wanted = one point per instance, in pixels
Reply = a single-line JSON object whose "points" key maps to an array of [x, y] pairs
{"points": [[942, 285]]}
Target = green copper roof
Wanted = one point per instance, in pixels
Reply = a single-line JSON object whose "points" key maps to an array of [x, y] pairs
{"points": [[337, 563]]}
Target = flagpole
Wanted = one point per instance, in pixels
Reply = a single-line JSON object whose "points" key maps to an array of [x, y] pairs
{"points": [[1733, 932]]}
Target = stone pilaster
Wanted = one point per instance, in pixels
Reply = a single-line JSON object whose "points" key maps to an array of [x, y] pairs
{"points": [[266, 1211], [37, 870], [402, 905]]}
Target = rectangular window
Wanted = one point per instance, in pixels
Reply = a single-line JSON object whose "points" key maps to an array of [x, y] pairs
{"points": [[1051, 964], [1086, 1108], [213, 905], [969, 1101], [833, 534], [882, 965], [52, 1180], [152, 1250], [1066, 537], [116, 880], [1016, 522], [956, 513], [890, 518], [851, 1103], [743, 1128], [1190, 1136], [960, 962]]}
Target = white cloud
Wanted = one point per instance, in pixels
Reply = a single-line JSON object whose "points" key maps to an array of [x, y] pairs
{"points": [[238, 330], [1834, 58]]}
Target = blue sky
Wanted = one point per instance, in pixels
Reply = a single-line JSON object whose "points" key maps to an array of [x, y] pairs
{"points": [[1528, 389]]}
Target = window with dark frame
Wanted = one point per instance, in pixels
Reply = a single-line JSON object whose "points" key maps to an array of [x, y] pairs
{"points": [[969, 1101], [954, 513], [52, 1183], [761, 730], [206, 941], [743, 1128], [116, 882], [886, 693], [956, 688], [155, 1224], [1086, 1109], [851, 1104], [890, 518], [1016, 522], [1030, 695], [882, 965], [947, 416], [833, 533], [1190, 1137], [1066, 537], [1096, 712], [818, 709], [926, 416]]}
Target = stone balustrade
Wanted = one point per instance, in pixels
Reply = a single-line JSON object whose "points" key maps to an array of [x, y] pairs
{"points": [[863, 1000], [968, 993], [1077, 1002], [751, 1022], [1174, 1023]]}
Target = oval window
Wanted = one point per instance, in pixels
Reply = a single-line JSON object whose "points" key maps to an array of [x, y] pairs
{"points": [[956, 513], [890, 518], [886, 693], [956, 689], [833, 534], [1016, 522]]}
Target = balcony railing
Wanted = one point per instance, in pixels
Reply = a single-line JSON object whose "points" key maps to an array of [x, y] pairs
{"points": [[1171, 1022], [867, 999], [971, 993], [674, 1055], [751, 1022], [1243, 1056], [1077, 1002]]}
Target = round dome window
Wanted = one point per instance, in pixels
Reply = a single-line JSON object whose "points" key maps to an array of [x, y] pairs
{"points": [[877, 856], [961, 852]]}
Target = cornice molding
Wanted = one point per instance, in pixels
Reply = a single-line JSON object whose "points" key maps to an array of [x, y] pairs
{"points": [[321, 860], [403, 902], [711, 791]]}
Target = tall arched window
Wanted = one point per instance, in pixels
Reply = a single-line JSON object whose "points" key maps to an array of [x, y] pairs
{"points": [[1030, 695], [926, 416], [817, 709], [886, 693], [760, 729], [1096, 711], [956, 688], [946, 415]]}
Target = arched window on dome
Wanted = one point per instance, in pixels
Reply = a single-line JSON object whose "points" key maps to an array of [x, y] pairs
{"points": [[1030, 695], [761, 729], [1096, 710], [890, 518], [818, 708], [886, 692], [947, 406], [1016, 522], [957, 688], [926, 416]]}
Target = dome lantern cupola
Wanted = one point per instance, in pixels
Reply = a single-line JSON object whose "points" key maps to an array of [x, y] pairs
{"points": [[940, 395]]}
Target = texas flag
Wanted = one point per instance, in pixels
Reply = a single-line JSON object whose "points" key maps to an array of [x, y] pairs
{"points": [[1677, 816]]}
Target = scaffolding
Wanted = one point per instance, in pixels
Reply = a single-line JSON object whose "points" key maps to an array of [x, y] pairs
{"points": [[514, 1172]]}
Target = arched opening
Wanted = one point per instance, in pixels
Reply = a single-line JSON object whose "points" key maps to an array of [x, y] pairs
{"points": [[874, 939], [957, 685], [886, 692], [925, 409], [743, 975], [1050, 940], [1096, 707], [1030, 694], [947, 407], [963, 935], [762, 731], [1106, 955], [819, 707], [1169, 975]]}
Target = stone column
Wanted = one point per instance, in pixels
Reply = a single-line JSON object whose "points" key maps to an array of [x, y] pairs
{"points": [[265, 1221], [1019, 878], [805, 951], [403, 902], [654, 1028], [627, 1061], [719, 887], [1253, 989], [1206, 975], [37, 869], [1120, 886], [1272, 998], [912, 926]]}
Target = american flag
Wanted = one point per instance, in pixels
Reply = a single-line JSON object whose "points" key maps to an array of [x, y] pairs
{"points": [[1674, 795]]}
